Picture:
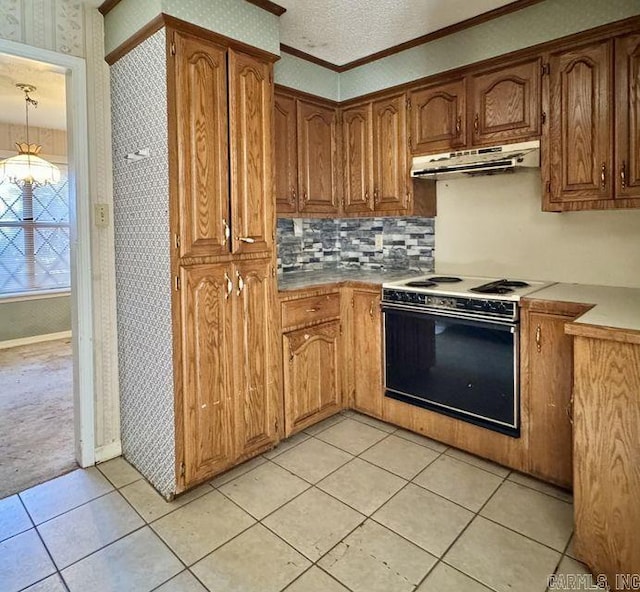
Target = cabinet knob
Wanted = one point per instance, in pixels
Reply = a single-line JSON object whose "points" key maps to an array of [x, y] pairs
{"points": [[458, 125], [294, 195], [229, 285], [376, 196], [246, 239], [226, 231], [312, 310], [623, 174], [240, 282], [539, 338], [476, 123], [569, 409], [603, 175]]}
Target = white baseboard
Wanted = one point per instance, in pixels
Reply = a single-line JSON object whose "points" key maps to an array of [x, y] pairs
{"points": [[109, 451], [34, 339]]}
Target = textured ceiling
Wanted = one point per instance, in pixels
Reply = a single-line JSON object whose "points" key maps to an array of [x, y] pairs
{"points": [[341, 31], [50, 93]]}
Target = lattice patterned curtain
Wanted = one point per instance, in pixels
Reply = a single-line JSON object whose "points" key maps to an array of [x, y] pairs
{"points": [[34, 237]]}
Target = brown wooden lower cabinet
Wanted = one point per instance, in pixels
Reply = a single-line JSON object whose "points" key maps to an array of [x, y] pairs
{"points": [[312, 356], [312, 375], [365, 356], [607, 454], [228, 404], [546, 385]]}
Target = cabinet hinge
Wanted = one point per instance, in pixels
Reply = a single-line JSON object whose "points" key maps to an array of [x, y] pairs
{"points": [[353, 302], [182, 469], [276, 425], [543, 117], [273, 271], [172, 48], [548, 186], [178, 283], [546, 69], [177, 237]]}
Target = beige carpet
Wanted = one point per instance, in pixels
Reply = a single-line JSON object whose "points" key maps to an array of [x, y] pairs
{"points": [[36, 414]]}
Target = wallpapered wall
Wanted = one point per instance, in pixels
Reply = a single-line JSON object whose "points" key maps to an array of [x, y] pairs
{"points": [[76, 28], [143, 273], [233, 18], [304, 75]]}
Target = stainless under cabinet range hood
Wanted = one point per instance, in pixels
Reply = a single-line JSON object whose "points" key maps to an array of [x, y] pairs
{"points": [[477, 161]]}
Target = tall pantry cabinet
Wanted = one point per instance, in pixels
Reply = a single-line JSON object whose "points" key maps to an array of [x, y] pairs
{"points": [[221, 221]]}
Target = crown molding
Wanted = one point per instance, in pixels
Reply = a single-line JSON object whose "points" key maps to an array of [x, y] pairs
{"points": [[455, 28]]}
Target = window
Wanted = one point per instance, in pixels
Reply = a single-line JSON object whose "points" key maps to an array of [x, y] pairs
{"points": [[34, 237]]}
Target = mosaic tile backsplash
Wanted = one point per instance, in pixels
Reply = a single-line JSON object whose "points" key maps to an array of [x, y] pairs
{"points": [[407, 243]]}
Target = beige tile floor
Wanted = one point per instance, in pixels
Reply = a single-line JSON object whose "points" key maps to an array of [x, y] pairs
{"points": [[351, 504]]}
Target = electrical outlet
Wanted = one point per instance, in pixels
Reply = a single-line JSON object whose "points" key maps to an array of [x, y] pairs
{"points": [[101, 215], [379, 241], [297, 227]]}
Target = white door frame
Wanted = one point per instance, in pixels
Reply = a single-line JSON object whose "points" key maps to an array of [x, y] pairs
{"points": [[80, 238]]}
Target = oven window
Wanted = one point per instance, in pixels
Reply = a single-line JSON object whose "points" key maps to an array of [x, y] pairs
{"points": [[459, 367]]}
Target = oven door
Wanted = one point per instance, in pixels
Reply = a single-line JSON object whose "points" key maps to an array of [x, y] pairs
{"points": [[464, 368]]}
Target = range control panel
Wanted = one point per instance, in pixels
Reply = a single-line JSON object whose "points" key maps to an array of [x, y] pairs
{"points": [[494, 309]]}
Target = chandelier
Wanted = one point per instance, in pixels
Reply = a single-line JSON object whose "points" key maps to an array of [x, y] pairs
{"points": [[27, 167]]}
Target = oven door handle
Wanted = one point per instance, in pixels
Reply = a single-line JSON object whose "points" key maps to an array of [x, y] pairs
{"points": [[474, 321]]}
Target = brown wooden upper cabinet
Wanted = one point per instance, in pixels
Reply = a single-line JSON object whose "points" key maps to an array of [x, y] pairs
{"points": [[286, 154], [318, 170], [250, 143], [505, 103], [592, 142], [200, 74], [438, 117], [357, 159], [627, 106], [391, 190], [494, 106], [306, 156], [580, 139], [222, 112]]}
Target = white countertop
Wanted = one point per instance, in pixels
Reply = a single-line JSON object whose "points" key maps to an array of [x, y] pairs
{"points": [[618, 308]]}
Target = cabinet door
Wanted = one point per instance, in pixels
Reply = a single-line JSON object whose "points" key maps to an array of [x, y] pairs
{"points": [[312, 386], [257, 355], [550, 376], [317, 158], [200, 118], [390, 154], [286, 154], [367, 352], [628, 117], [250, 133], [206, 395], [357, 159], [438, 117], [506, 103], [580, 124]]}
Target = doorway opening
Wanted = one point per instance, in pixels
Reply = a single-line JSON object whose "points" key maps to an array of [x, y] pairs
{"points": [[46, 354]]}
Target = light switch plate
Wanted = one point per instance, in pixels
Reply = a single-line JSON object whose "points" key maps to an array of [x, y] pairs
{"points": [[297, 227], [101, 215], [379, 241]]}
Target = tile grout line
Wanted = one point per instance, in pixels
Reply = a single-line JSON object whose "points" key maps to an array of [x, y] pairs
{"points": [[457, 538]]}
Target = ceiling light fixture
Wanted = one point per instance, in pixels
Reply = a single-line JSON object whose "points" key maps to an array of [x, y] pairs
{"points": [[27, 167]]}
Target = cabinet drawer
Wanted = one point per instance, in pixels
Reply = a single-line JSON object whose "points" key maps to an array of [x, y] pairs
{"points": [[310, 310]]}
